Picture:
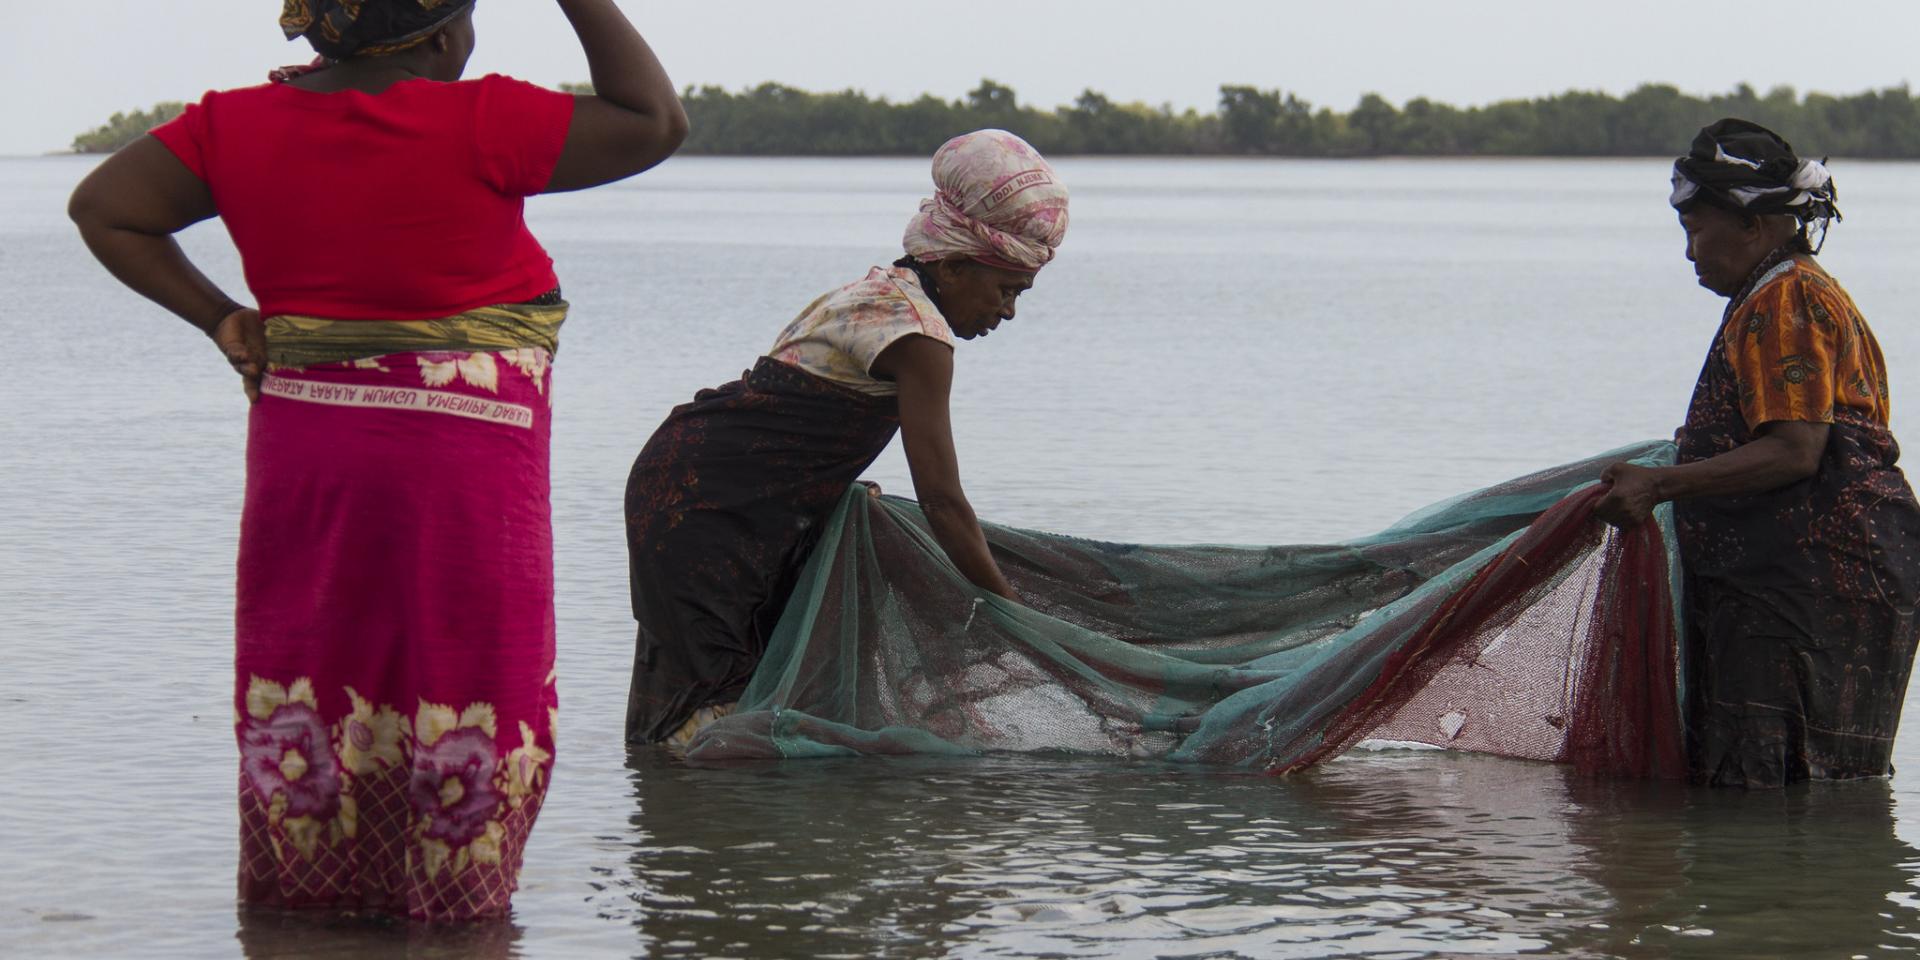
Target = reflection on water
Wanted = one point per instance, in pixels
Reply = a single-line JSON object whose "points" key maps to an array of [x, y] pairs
{"points": [[1324, 346], [1388, 854], [1814, 870], [1062, 857], [278, 934], [1383, 854]]}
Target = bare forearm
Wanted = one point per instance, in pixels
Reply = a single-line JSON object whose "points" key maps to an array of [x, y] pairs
{"points": [[958, 532], [156, 268], [1763, 464], [625, 72]]}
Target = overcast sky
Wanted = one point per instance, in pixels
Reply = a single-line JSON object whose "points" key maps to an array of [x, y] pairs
{"points": [[67, 65]]}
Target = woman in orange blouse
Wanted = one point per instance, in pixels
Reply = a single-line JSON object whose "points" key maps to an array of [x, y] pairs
{"points": [[1799, 536]]}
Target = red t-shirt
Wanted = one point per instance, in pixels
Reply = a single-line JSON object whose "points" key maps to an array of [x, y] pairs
{"points": [[401, 205]]}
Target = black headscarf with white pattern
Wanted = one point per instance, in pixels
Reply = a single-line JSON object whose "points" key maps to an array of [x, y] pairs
{"points": [[1744, 167]]}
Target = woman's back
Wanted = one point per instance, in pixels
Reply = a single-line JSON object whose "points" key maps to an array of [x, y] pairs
{"points": [[394, 628], [401, 205]]}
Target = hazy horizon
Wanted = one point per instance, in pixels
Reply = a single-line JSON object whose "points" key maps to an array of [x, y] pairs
{"points": [[1466, 55]]}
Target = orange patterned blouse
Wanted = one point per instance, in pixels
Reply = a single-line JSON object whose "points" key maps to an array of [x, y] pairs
{"points": [[1799, 348]]}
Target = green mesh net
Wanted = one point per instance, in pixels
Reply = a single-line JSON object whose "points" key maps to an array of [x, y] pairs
{"points": [[1504, 621]]}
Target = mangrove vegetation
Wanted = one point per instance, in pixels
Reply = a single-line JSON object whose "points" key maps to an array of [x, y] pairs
{"points": [[1654, 120], [123, 128]]}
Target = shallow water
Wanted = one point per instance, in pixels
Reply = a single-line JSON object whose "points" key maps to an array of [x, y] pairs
{"points": [[1232, 351]]}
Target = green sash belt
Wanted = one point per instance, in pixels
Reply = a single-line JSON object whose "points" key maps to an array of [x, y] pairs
{"points": [[297, 341]]}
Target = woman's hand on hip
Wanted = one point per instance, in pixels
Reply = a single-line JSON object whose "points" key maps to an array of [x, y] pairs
{"points": [[242, 339], [1632, 493]]}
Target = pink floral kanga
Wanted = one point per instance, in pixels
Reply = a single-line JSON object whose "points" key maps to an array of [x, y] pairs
{"points": [[394, 690], [453, 807], [289, 760]]}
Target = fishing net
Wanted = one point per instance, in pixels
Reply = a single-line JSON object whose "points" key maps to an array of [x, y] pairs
{"points": [[1504, 621]]}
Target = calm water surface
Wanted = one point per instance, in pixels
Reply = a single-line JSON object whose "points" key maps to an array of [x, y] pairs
{"points": [[1254, 352]]}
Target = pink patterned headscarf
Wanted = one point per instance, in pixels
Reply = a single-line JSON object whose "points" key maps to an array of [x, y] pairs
{"points": [[995, 200]]}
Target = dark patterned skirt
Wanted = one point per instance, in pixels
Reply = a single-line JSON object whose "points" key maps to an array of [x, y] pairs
{"points": [[1792, 686], [1800, 619], [722, 508]]}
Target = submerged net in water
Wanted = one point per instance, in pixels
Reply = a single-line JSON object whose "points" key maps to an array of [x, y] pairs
{"points": [[1504, 621]]}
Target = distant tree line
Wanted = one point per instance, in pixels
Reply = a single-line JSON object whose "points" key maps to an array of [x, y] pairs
{"points": [[1654, 120], [124, 128]]}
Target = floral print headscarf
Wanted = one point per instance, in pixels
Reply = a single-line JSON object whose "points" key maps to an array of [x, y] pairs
{"points": [[995, 200]]}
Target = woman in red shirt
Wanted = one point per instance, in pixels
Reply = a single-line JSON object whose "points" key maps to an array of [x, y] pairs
{"points": [[394, 689]]}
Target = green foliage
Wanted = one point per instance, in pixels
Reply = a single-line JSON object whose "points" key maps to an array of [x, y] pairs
{"points": [[781, 120], [124, 128], [1654, 120]]}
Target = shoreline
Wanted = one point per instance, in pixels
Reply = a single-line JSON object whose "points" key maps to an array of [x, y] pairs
{"points": [[1210, 157]]}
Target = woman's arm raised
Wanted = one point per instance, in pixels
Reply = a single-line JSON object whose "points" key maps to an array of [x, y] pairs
{"points": [[633, 119]]}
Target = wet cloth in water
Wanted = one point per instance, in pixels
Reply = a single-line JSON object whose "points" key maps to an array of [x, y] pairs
{"points": [[723, 505], [1505, 621], [394, 687], [1800, 600]]}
